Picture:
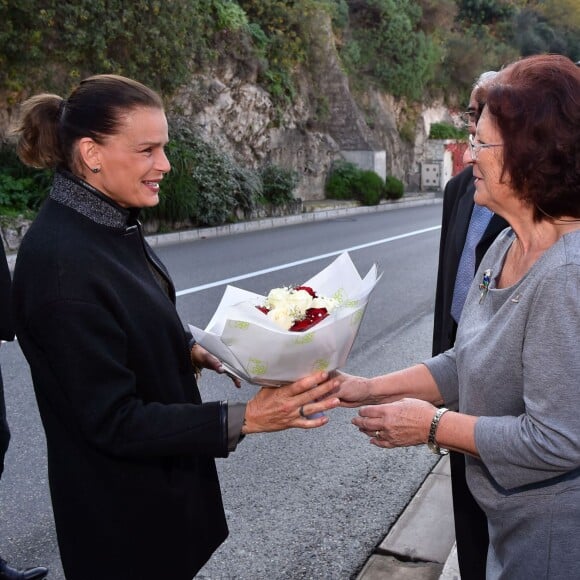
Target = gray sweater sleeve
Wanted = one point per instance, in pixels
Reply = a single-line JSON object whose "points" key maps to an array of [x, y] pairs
{"points": [[544, 441], [444, 370]]}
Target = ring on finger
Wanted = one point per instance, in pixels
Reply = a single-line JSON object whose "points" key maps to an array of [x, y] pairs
{"points": [[377, 434], [301, 411]]}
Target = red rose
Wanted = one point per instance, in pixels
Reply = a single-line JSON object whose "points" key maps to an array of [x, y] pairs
{"points": [[306, 289], [313, 316]]}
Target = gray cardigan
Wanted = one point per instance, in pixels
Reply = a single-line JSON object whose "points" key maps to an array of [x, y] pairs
{"points": [[515, 365]]}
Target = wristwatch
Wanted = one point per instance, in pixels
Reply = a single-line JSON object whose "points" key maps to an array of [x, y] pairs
{"points": [[431, 443]]}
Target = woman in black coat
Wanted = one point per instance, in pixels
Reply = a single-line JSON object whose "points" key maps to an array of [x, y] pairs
{"points": [[131, 446]]}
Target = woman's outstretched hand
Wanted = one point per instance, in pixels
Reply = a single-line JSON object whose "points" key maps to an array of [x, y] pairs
{"points": [[279, 408], [351, 390]]}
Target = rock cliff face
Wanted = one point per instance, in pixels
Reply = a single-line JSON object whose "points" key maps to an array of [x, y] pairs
{"points": [[326, 120]]}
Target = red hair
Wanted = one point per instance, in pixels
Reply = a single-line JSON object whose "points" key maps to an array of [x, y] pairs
{"points": [[535, 103]]}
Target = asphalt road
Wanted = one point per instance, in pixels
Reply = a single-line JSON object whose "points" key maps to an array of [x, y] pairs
{"points": [[300, 504]]}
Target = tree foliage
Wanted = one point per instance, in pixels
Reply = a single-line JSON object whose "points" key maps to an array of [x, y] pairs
{"points": [[563, 14], [54, 44], [281, 38], [484, 11], [390, 47], [487, 34], [411, 48]]}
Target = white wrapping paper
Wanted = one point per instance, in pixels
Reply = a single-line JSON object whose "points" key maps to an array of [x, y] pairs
{"points": [[255, 349]]}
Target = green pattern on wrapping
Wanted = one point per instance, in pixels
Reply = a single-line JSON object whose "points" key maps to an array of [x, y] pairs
{"points": [[321, 364], [257, 367], [305, 338]]}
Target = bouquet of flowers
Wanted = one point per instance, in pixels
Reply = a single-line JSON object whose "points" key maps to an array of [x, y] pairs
{"points": [[292, 332]]}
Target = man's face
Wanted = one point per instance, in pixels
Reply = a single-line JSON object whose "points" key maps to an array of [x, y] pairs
{"points": [[472, 109]]}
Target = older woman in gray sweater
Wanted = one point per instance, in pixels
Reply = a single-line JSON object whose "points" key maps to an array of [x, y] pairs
{"points": [[512, 378]]}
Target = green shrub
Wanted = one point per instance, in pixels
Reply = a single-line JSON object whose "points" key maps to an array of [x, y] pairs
{"points": [[341, 179], [394, 188], [248, 190], [204, 185], [369, 187], [213, 175], [277, 29], [340, 14], [446, 131], [178, 189], [229, 15], [14, 192], [22, 189], [484, 11], [278, 184]]}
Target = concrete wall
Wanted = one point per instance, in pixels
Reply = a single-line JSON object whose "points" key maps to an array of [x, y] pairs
{"points": [[374, 160]]}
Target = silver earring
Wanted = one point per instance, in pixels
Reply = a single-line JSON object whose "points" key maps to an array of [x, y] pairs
{"points": [[96, 169]]}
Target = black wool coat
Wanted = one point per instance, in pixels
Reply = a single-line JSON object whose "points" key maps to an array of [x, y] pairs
{"points": [[131, 447]]}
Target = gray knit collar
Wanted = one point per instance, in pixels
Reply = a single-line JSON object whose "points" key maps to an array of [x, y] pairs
{"points": [[72, 191]]}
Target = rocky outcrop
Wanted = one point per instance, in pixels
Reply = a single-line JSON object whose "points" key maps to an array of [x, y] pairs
{"points": [[12, 230], [326, 119], [240, 118]]}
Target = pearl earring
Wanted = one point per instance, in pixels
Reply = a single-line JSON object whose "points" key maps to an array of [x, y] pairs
{"points": [[96, 169]]}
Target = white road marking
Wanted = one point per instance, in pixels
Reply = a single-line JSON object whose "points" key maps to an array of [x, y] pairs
{"points": [[300, 262]]}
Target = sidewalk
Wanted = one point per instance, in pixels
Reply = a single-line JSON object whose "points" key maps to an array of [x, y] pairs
{"points": [[318, 210], [421, 544]]}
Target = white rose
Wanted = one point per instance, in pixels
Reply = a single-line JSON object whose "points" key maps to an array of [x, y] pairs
{"points": [[299, 302], [282, 316], [277, 297]]}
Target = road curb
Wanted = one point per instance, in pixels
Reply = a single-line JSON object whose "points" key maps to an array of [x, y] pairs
{"points": [[419, 544], [312, 215]]}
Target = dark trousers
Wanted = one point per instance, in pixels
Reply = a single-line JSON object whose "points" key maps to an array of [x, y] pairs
{"points": [[470, 524]]}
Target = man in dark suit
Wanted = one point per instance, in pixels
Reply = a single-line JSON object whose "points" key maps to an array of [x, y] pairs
{"points": [[459, 236], [7, 333]]}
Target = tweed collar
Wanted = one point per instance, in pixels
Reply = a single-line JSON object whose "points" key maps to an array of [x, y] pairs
{"points": [[70, 190]]}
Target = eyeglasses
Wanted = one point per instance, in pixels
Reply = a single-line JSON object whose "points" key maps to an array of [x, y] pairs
{"points": [[476, 147], [469, 116]]}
